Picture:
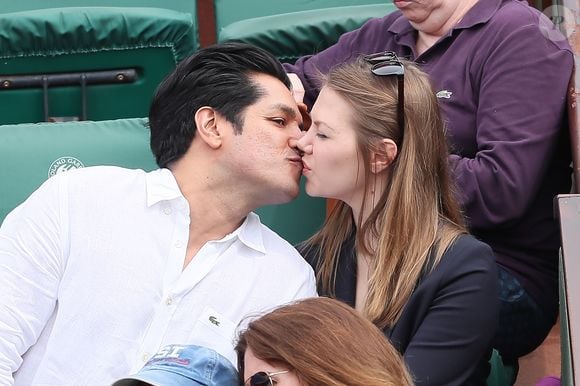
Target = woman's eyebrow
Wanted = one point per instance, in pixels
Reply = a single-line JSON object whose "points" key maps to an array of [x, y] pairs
{"points": [[322, 123]]}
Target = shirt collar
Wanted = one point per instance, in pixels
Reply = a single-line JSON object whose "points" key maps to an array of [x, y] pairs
{"points": [[250, 233], [481, 12], [161, 186]]}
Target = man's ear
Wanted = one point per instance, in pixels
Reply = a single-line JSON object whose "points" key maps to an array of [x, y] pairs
{"points": [[384, 155], [206, 121]]}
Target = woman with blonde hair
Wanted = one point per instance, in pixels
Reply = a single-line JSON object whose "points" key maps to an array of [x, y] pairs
{"points": [[318, 342], [395, 245]]}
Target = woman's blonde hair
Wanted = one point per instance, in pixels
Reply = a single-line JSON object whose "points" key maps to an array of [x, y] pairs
{"points": [[417, 217], [326, 343]]}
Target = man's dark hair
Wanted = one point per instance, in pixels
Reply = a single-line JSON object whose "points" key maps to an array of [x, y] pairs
{"points": [[217, 76]]}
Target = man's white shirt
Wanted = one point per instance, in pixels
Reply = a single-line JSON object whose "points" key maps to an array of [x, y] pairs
{"points": [[91, 267]]}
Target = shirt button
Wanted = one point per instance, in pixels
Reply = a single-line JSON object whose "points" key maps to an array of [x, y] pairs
{"points": [[145, 357], [178, 244], [169, 301], [167, 210]]}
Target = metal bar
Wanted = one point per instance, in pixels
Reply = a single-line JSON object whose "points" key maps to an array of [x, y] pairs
{"points": [[45, 96], [68, 79], [83, 97]]}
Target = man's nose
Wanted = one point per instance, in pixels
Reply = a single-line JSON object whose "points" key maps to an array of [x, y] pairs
{"points": [[302, 143], [293, 142]]}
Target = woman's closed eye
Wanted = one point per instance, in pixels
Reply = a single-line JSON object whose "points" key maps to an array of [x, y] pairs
{"points": [[321, 135]]}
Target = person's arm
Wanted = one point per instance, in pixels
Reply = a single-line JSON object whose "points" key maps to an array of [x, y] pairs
{"points": [[371, 37], [461, 320], [31, 263], [520, 104]]}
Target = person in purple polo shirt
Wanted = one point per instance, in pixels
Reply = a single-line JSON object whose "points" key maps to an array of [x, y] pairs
{"points": [[500, 71]]}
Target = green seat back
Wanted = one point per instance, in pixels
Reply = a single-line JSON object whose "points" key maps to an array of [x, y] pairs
{"points": [[292, 35], [185, 6], [297, 220], [231, 11], [31, 153], [79, 40], [567, 211], [500, 374]]}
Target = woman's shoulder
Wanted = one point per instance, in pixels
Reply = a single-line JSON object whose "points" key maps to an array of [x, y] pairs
{"points": [[468, 253], [467, 242], [312, 252], [306, 248]]}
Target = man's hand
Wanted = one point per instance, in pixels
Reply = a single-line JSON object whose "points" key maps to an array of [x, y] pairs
{"points": [[297, 88], [306, 120]]}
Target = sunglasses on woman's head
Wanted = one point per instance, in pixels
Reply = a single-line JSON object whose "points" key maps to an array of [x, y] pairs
{"points": [[380, 57], [263, 378], [385, 64]]}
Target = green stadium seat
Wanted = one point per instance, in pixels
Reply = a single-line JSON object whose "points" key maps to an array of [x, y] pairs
{"points": [[120, 53], [567, 208], [31, 153], [500, 374], [292, 35], [231, 11], [34, 152], [184, 6]]}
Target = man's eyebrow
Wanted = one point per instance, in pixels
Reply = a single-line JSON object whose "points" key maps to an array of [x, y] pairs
{"points": [[289, 111]]}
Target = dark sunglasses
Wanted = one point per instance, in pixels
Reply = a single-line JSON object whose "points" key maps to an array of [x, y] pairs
{"points": [[385, 64], [263, 378]]}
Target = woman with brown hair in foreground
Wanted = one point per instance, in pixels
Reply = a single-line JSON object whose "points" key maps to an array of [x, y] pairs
{"points": [[317, 341]]}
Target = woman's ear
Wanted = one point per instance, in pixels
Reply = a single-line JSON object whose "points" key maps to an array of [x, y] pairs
{"points": [[206, 122], [384, 155]]}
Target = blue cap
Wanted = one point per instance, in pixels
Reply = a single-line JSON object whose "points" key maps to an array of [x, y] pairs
{"points": [[178, 365]]}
